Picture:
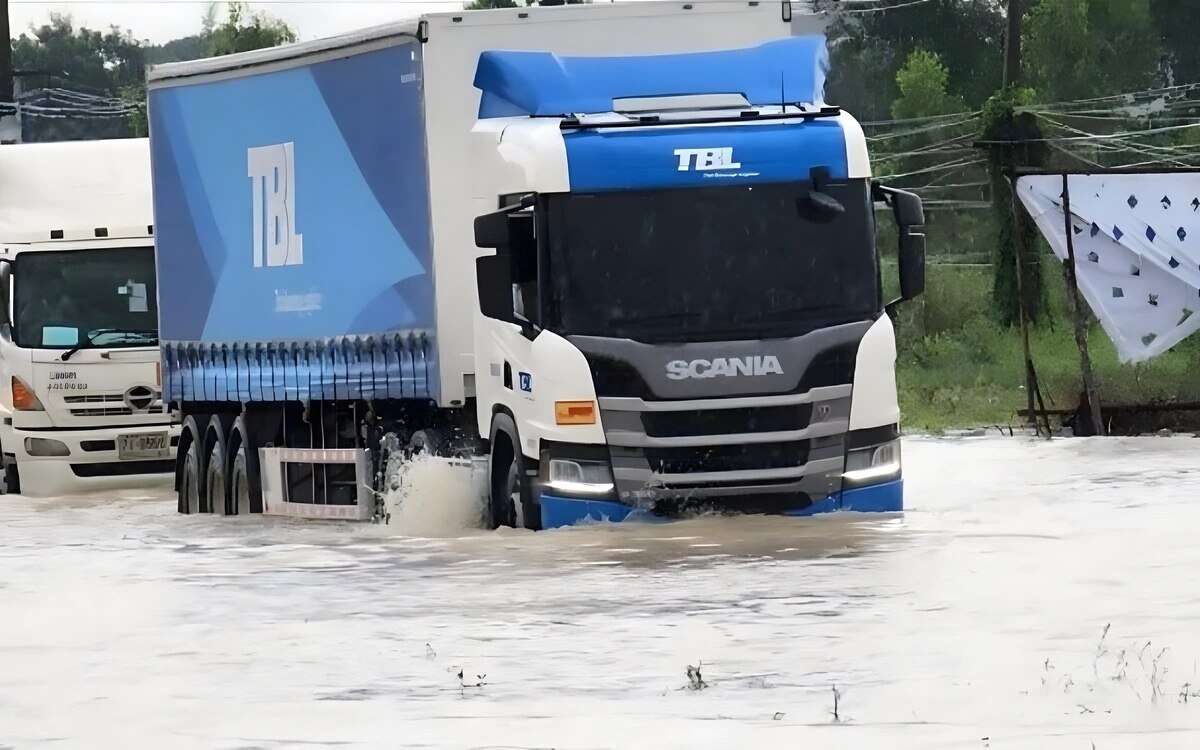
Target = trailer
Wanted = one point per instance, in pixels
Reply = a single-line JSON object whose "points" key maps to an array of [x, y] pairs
{"points": [[80, 401], [575, 244]]}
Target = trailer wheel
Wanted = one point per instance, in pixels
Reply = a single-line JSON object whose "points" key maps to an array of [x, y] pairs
{"points": [[214, 480], [189, 484], [239, 484], [242, 477], [216, 442]]}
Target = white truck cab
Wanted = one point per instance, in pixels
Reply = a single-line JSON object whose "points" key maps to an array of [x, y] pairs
{"points": [[80, 399]]}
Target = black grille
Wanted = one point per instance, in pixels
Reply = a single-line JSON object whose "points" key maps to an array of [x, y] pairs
{"points": [[726, 421], [616, 378], [834, 366], [766, 503], [98, 445], [744, 457], [123, 468]]}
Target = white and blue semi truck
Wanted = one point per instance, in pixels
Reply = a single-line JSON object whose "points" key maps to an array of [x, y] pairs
{"points": [[620, 256]]}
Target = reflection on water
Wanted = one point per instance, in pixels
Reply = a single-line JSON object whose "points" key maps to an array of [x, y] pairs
{"points": [[979, 613]]}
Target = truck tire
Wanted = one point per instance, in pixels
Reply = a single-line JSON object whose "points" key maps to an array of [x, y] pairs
{"points": [[216, 469], [240, 496], [242, 477], [214, 480], [506, 508], [190, 474], [12, 479], [509, 504]]}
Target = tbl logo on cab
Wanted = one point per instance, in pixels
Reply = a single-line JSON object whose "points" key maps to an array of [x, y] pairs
{"points": [[704, 159]]}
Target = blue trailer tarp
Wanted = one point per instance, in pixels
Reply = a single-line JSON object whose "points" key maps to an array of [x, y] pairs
{"points": [[293, 237]]}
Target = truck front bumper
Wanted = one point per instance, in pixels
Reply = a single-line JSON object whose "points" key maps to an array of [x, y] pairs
{"points": [[558, 511], [92, 461]]}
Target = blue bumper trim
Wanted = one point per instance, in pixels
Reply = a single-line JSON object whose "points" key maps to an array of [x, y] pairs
{"points": [[828, 505], [879, 498], [564, 511]]}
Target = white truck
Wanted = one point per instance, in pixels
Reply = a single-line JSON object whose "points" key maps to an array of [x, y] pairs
{"points": [[622, 255], [80, 399]]}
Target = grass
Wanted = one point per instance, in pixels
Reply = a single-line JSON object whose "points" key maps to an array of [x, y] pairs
{"points": [[958, 368]]}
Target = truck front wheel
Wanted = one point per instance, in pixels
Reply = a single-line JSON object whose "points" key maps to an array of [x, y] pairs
{"points": [[508, 504], [509, 507], [12, 479]]}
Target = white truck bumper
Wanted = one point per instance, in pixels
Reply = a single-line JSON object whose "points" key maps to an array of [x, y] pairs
{"points": [[93, 461]]}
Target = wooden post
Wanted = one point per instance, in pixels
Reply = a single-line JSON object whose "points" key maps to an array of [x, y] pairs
{"points": [[1085, 361], [1022, 317], [6, 71], [1012, 44]]}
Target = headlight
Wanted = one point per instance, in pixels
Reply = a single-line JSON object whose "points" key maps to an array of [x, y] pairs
{"points": [[46, 447], [583, 477], [874, 463]]}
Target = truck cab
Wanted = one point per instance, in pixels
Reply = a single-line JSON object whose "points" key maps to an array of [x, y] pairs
{"points": [[685, 308], [80, 398]]}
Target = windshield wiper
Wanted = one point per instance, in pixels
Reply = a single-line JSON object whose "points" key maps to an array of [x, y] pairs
{"points": [[90, 339], [660, 318]]}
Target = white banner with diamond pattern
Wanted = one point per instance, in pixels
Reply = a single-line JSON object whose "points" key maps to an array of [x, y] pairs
{"points": [[1137, 251]]}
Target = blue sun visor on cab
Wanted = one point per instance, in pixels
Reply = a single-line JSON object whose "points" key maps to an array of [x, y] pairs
{"points": [[541, 84]]}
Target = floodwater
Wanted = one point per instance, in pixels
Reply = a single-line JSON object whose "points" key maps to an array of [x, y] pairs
{"points": [[1034, 595]]}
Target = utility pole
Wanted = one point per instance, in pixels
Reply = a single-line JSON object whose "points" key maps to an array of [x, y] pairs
{"points": [[1012, 44], [6, 69]]}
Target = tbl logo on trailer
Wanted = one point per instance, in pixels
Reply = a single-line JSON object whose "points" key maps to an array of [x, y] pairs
{"points": [[526, 381], [704, 159], [273, 178]]}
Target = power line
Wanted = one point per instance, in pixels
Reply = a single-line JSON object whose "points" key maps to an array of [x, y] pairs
{"points": [[860, 11]]}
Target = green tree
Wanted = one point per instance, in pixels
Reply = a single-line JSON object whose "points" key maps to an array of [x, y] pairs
{"points": [[1177, 25], [1014, 140], [241, 31], [88, 59], [867, 49], [1077, 49], [922, 84], [244, 31]]}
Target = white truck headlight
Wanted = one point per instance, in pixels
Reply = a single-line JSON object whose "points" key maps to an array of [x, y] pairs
{"points": [[583, 477], [43, 447], [873, 464]]}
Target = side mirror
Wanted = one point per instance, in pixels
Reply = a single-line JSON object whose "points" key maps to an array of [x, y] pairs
{"points": [[493, 280], [907, 208], [909, 213], [5, 297], [491, 230], [912, 262]]}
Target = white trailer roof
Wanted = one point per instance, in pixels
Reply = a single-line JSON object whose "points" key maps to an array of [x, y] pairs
{"points": [[75, 187], [284, 56]]}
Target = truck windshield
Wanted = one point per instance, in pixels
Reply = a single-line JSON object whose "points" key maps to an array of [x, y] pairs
{"points": [[744, 261], [85, 298]]}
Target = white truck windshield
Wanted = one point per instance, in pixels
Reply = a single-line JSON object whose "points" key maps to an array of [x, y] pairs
{"points": [[85, 298]]}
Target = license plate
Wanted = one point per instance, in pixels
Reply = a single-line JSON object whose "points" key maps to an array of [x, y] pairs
{"points": [[143, 445]]}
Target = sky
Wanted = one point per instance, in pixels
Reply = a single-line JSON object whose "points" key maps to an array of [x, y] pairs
{"points": [[163, 20]]}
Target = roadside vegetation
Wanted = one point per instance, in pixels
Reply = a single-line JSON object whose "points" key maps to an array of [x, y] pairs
{"points": [[958, 367]]}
